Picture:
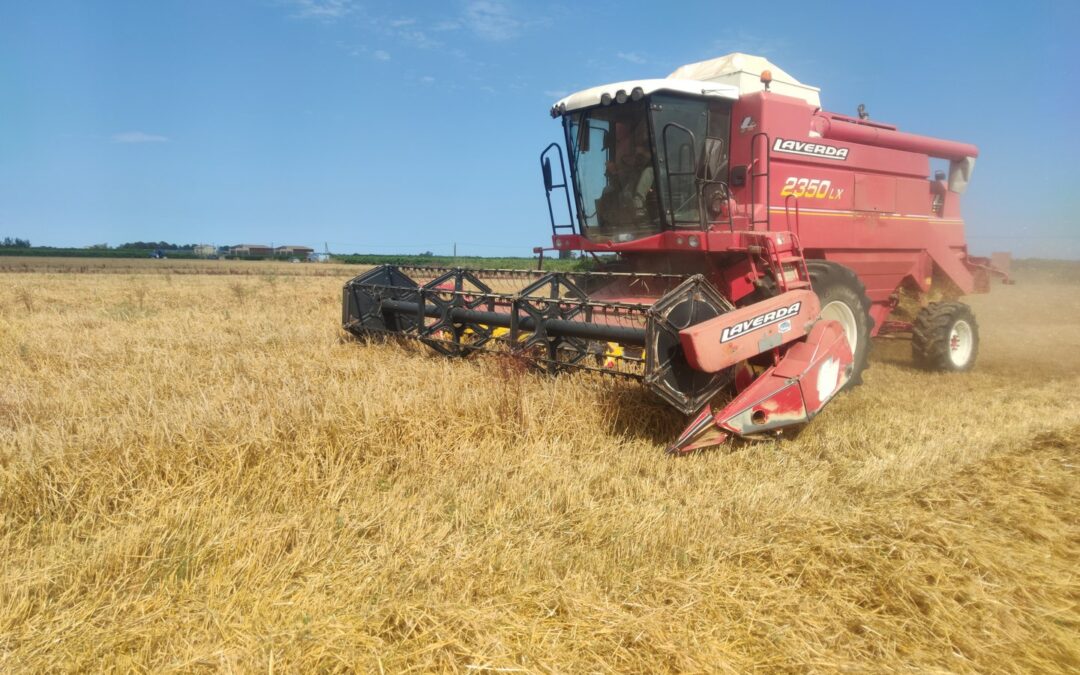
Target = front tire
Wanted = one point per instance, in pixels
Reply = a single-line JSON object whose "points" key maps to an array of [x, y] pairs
{"points": [[844, 300], [945, 337]]}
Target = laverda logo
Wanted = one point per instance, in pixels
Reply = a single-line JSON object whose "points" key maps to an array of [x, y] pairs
{"points": [[760, 321], [810, 149]]}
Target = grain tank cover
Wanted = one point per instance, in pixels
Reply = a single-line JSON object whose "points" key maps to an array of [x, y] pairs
{"points": [[744, 72]]}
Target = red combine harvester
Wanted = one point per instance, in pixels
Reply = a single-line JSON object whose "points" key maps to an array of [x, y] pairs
{"points": [[759, 243]]}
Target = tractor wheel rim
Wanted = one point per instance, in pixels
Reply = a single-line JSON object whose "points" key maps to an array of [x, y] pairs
{"points": [[841, 313], [961, 342]]}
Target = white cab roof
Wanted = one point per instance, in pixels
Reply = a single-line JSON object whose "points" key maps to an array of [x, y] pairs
{"points": [[723, 77], [594, 96]]}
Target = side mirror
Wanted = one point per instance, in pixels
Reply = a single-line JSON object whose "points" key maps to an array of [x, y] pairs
{"points": [[738, 175], [546, 166]]}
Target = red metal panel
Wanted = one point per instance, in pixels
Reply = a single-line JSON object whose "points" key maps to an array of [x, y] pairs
{"points": [[875, 193], [913, 196], [811, 186], [880, 271], [722, 342], [787, 118]]}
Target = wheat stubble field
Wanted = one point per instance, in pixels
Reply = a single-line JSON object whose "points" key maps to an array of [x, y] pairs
{"points": [[198, 473]]}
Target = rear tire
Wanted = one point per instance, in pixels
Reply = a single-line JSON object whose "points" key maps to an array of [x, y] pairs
{"points": [[945, 337], [843, 299]]}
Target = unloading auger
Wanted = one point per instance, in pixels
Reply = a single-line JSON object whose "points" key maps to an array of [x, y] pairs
{"points": [[752, 244]]}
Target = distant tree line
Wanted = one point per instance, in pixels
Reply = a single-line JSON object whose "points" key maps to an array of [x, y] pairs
{"points": [[154, 245], [15, 242]]}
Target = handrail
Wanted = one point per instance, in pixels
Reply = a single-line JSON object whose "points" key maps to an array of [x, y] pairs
{"points": [[753, 181], [692, 172], [564, 186]]}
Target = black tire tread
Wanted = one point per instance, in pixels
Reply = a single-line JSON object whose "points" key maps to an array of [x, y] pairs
{"points": [[930, 335]]}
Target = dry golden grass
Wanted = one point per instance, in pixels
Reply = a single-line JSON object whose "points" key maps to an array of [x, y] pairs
{"points": [[169, 267], [196, 472]]}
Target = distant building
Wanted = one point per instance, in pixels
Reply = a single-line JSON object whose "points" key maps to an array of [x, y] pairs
{"points": [[319, 257], [251, 251], [301, 252], [204, 251]]}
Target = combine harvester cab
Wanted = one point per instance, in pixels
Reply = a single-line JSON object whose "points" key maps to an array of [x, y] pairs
{"points": [[750, 244]]}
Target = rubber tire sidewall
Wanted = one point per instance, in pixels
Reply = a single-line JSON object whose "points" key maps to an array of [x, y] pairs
{"points": [[833, 282], [930, 344]]}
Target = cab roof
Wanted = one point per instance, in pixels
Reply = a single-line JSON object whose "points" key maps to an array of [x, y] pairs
{"points": [[725, 77], [587, 98]]}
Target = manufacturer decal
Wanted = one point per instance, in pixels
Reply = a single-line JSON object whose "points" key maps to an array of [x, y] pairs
{"points": [[811, 188], [810, 149], [760, 321], [748, 124]]}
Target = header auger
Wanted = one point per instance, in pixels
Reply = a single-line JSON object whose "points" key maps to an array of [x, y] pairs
{"points": [[759, 243]]}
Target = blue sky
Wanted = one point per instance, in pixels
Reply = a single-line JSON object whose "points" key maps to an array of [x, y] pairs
{"points": [[402, 127]]}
